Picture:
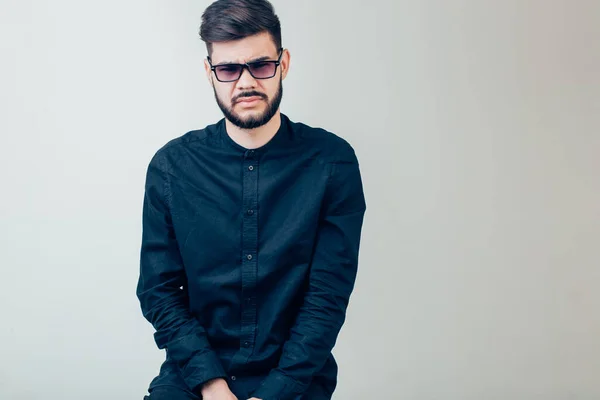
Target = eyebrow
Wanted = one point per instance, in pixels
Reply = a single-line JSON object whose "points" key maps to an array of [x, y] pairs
{"points": [[263, 58]]}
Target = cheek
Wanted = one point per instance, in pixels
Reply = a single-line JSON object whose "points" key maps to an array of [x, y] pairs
{"points": [[224, 93], [271, 89]]}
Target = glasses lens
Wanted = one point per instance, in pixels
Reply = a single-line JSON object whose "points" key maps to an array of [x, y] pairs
{"points": [[262, 70], [228, 72]]}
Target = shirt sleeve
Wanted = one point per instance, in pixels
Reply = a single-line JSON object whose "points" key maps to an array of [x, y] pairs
{"points": [[162, 276], [331, 281]]}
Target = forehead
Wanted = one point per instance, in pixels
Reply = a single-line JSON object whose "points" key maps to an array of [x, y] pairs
{"points": [[243, 50]]}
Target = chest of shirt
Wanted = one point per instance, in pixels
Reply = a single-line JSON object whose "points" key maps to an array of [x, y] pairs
{"points": [[226, 208]]}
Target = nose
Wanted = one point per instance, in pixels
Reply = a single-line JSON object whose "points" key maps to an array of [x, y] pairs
{"points": [[246, 81]]}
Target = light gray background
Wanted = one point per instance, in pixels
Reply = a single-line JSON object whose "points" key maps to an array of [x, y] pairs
{"points": [[477, 126]]}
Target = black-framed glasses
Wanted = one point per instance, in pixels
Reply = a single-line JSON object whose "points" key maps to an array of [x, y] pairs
{"points": [[264, 69]]}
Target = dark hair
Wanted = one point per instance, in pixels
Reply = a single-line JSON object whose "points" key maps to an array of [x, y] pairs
{"points": [[226, 20]]}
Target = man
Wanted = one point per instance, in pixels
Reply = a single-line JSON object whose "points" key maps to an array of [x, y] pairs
{"points": [[251, 232]]}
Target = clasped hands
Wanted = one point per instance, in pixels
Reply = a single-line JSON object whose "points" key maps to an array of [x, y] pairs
{"points": [[217, 389]]}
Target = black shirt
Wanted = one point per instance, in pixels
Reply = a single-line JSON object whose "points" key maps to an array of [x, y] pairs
{"points": [[249, 257]]}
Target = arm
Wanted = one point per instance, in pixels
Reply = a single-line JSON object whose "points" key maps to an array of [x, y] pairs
{"points": [[331, 280], [162, 274]]}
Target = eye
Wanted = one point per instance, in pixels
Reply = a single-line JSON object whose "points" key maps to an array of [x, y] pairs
{"points": [[260, 65], [227, 68]]}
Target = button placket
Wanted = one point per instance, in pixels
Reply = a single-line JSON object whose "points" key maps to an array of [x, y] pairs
{"points": [[249, 253]]}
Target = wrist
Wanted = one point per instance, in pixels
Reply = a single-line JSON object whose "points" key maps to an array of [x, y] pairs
{"points": [[213, 385]]}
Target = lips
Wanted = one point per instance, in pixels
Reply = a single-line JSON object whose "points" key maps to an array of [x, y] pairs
{"points": [[249, 99]]}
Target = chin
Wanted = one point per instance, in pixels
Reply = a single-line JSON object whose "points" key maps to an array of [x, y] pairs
{"points": [[247, 118]]}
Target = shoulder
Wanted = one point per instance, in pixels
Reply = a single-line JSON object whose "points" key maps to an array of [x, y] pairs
{"points": [[332, 146], [177, 147]]}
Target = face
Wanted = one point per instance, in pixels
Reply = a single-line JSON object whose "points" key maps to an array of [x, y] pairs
{"points": [[248, 102]]}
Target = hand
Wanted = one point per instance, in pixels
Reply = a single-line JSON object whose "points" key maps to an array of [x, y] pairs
{"points": [[217, 389]]}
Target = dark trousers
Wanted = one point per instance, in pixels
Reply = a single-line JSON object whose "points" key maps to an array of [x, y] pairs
{"points": [[171, 393]]}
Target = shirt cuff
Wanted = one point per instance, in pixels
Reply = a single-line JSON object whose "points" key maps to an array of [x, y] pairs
{"points": [[202, 369], [278, 386]]}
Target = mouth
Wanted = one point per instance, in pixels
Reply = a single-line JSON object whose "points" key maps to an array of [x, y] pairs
{"points": [[249, 100]]}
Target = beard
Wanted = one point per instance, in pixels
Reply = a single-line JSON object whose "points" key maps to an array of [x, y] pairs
{"points": [[252, 122]]}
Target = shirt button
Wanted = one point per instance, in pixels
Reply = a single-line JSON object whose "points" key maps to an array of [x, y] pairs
{"points": [[250, 212], [249, 256], [251, 168], [246, 344], [233, 378]]}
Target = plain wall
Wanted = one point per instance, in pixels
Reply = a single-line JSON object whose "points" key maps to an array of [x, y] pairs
{"points": [[477, 127]]}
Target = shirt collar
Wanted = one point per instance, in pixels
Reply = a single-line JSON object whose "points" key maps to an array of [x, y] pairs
{"points": [[281, 136]]}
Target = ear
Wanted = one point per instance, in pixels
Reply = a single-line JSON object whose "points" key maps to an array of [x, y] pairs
{"points": [[208, 71], [285, 63]]}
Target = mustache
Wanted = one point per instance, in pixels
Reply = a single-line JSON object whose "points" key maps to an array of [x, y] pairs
{"points": [[248, 94]]}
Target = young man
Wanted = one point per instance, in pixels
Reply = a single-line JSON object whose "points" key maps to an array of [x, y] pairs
{"points": [[251, 232]]}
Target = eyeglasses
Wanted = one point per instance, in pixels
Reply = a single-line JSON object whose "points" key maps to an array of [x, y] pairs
{"points": [[258, 69]]}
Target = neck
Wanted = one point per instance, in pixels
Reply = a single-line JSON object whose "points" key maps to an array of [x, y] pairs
{"points": [[254, 138]]}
